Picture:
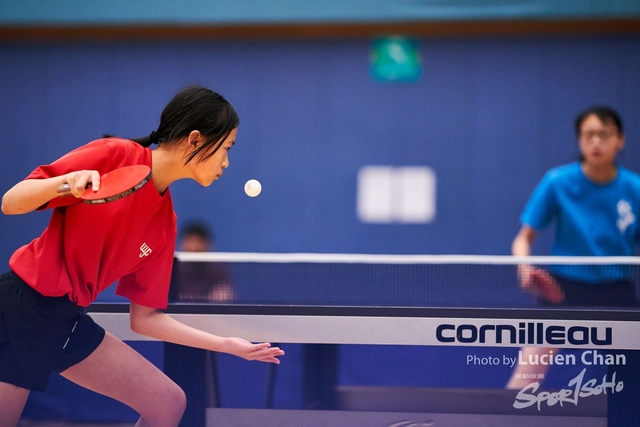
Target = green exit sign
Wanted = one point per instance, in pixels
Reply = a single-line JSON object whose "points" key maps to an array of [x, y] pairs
{"points": [[396, 59]]}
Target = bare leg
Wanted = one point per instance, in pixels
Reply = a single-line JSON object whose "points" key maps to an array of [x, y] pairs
{"points": [[523, 375], [116, 370], [12, 401]]}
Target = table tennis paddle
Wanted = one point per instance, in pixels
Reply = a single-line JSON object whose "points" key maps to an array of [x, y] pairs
{"points": [[544, 285], [114, 185]]}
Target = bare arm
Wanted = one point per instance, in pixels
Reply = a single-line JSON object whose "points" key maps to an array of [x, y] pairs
{"points": [[533, 279], [521, 245], [30, 194], [156, 324]]}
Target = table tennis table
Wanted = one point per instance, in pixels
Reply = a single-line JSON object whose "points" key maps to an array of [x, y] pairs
{"points": [[321, 328]]}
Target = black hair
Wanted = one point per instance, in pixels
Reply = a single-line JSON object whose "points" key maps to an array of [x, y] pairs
{"points": [[199, 229], [605, 113], [195, 108]]}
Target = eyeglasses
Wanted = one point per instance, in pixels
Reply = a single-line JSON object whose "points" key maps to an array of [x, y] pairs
{"points": [[601, 134]]}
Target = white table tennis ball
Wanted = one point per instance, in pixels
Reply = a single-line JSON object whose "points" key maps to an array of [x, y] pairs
{"points": [[252, 188]]}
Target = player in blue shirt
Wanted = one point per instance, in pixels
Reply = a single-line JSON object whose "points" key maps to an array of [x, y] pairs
{"points": [[595, 204]]}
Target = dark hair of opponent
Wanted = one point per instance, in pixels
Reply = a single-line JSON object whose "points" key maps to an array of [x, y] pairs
{"points": [[606, 115]]}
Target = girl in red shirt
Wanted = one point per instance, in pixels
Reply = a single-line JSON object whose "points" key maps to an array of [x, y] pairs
{"points": [[85, 248]]}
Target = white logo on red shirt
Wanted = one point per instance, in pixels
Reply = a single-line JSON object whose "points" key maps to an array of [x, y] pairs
{"points": [[145, 250]]}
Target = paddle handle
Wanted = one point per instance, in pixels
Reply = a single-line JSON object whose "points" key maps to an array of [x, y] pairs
{"points": [[65, 189]]}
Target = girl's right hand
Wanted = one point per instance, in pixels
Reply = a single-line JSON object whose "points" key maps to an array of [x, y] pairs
{"points": [[540, 283], [79, 180]]}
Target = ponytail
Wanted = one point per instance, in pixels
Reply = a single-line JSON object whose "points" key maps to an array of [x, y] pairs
{"points": [[147, 141]]}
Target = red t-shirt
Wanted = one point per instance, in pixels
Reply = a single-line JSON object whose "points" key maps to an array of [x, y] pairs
{"points": [[86, 248]]}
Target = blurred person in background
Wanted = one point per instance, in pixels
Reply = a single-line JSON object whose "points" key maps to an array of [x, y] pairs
{"points": [[200, 281]]}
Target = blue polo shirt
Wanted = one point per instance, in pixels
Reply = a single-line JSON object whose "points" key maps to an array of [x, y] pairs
{"points": [[591, 219]]}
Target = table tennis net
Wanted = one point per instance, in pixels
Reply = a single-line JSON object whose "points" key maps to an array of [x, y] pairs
{"points": [[397, 280]]}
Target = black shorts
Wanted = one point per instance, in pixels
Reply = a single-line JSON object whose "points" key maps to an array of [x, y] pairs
{"points": [[618, 293], [40, 335]]}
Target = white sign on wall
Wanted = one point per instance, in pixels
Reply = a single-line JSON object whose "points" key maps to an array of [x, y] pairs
{"points": [[392, 194]]}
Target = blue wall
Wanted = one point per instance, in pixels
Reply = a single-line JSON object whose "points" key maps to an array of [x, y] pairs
{"points": [[488, 115]]}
